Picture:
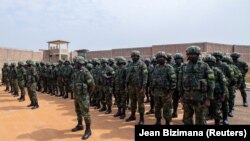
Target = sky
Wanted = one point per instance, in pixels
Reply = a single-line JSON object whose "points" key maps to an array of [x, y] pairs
{"points": [[110, 24]]}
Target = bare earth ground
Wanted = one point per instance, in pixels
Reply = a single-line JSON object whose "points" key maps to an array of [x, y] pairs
{"points": [[56, 116]]}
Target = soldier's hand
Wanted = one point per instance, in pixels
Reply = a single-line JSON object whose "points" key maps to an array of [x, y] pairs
{"points": [[182, 100], [142, 91], [126, 90], [207, 102]]}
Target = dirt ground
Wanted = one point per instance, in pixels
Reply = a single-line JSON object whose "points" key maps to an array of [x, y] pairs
{"points": [[56, 116]]}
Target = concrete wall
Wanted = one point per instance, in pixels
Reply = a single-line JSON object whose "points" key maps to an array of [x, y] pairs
{"points": [[206, 48], [14, 55]]}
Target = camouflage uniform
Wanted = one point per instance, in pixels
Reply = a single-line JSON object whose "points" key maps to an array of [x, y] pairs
{"points": [[82, 84], [147, 62], [196, 85], [6, 73], [120, 77], [13, 76], [220, 89], [178, 57], [31, 79], [60, 78], [150, 77], [244, 69], [238, 78], [54, 79], [95, 72], [111, 63], [163, 85], [229, 73], [39, 86], [106, 85], [66, 73], [136, 81], [21, 75]]}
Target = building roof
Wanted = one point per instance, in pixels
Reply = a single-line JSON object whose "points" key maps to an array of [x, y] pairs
{"points": [[58, 42]]}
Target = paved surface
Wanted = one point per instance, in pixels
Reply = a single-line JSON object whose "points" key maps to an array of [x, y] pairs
{"points": [[55, 118]]}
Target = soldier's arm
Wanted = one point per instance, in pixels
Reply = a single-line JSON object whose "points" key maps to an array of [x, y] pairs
{"points": [[89, 80], [179, 81], [245, 66], [210, 83], [172, 78], [144, 72], [223, 83]]}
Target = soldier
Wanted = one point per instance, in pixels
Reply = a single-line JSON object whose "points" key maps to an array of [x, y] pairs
{"points": [[21, 75], [50, 76], [136, 81], [178, 57], [67, 72], [196, 86], [231, 89], [147, 62], [13, 77], [111, 63], [38, 73], [6, 73], [163, 85], [41, 76], [60, 77], [95, 72], [220, 90], [82, 84], [229, 73], [120, 77], [244, 69], [106, 85], [31, 84], [54, 79], [150, 77]]}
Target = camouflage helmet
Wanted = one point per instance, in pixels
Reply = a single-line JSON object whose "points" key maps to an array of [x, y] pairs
{"points": [[217, 54], [235, 55], [80, 60], [147, 60], [121, 59], [96, 60], [13, 64], [169, 55], [5, 64], [54, 64], [209, 58], [104, 60], [20, 63], [161, 54], [178, 56], [111, 60], [29, 62], [193, 50], [66, 61], [89, 66], [153, 59], [42, 63], [135, 53], [227, 59]]}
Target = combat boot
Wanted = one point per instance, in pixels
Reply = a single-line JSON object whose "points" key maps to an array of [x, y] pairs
{"points": [[78, 127], [123, 113], [230, 114], [131, 117], [87, 133], [35, 107], [71, 95], [109, 110], [103, 109], [30, 105], [118, 113], [98, 105], [158, 121], [245, 102], [141, 122], [225, 120], [22, 99]]}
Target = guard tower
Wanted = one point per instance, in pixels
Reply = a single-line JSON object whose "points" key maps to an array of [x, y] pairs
{"points": [[57, 49]]}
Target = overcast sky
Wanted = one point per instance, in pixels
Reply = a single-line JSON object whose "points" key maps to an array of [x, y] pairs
{"points": [[107, 24]]}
